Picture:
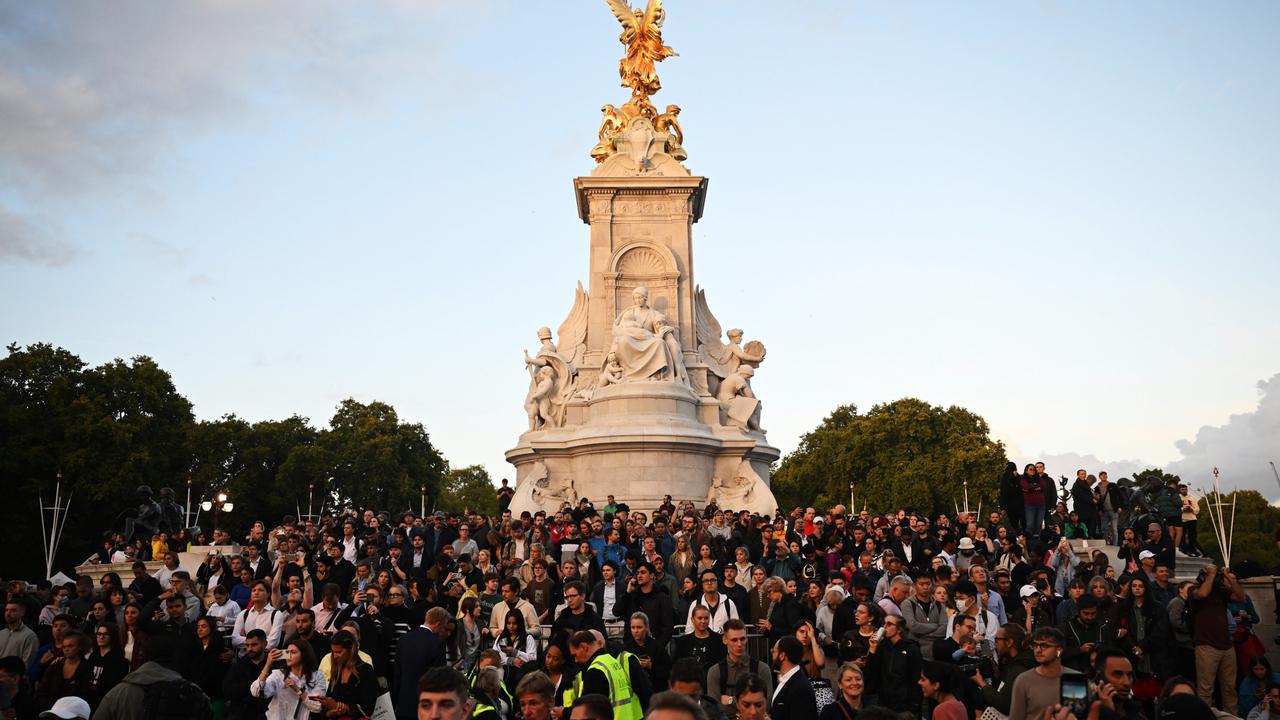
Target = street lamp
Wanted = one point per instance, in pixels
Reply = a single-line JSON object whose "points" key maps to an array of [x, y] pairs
{"points": [[223, 504]]}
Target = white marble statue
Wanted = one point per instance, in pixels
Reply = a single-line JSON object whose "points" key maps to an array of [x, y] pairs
{"points": [[738, 404], [538, 491], [553, 371], [723, 359], [746, 491], [646, 344]]}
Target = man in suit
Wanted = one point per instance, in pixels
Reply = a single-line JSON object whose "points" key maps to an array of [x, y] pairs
{"points": [[419, 650], [793, 696]]}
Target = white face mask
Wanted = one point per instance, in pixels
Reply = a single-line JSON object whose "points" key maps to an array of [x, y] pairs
{"points": [[963, 605]]}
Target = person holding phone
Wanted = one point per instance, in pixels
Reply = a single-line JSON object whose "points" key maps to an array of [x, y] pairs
{"points": [[290, 679], [515, 643], [1041, 688]]}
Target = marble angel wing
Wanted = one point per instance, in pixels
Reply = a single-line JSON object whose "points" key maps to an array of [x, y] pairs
{"points": [[714, 352], [571, 338]]}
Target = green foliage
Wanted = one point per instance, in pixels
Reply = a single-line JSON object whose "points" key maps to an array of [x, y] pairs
{"points": [[1255, 523], [122, 424], [470, 489], [906, 453], [379, 461]]}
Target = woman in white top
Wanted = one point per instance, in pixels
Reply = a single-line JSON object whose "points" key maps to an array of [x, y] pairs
{"points": [[742, 561], [515, 643], [295, 690]]}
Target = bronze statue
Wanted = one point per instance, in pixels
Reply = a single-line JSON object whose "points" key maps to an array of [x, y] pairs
{"points": [[642, 35]]}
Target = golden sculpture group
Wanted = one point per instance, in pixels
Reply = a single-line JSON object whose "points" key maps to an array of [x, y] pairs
{"points": [[642, 37]]}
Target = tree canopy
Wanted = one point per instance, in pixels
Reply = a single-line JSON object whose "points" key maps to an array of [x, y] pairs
{"points": [[110, 428], [906, 453]]}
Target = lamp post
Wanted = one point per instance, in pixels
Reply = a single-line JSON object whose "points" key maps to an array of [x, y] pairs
{"points": [[222, 503]]}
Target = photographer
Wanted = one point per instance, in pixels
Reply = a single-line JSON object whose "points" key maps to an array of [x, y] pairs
{"points": [[1215, 654]]}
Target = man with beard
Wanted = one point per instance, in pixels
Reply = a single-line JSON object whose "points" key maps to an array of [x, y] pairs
{"points": [[241, 704], [1114, 673], [1011, 647]]}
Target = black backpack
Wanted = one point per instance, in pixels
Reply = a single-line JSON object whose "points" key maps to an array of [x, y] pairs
{"points": [[176, 700]]}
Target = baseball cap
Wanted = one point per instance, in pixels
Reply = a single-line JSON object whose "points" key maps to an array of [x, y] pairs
{"points": [[1027, 591], [68, 708], [1146, 554]]}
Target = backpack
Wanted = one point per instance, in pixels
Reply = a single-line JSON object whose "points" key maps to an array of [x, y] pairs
{"points": [[244, 620], [176, 700]]}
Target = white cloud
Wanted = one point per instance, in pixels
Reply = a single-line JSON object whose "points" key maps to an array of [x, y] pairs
{"points": [[92, 93], [1241, 449]]}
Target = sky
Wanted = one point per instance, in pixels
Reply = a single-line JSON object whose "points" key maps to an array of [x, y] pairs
{"points": [[1062, 216]]}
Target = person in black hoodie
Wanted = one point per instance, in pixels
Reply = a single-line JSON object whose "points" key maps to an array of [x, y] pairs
{"points": [[895, 662], [1011, 497], [1083, 633], [241, 704]]}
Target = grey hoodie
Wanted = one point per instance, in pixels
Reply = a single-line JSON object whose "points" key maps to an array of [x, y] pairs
{"points": [[126, 700]]}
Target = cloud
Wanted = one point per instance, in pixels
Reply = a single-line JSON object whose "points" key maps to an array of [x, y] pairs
{"points": [[1241, 449], [93, 93], [24, 242]]}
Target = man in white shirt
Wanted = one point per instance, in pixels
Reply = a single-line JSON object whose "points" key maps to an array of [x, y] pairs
{"points": [[165, 573], [720, 607], [259, 616]]}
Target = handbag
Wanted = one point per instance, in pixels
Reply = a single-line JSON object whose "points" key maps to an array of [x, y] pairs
{"points": [[822, 692]]}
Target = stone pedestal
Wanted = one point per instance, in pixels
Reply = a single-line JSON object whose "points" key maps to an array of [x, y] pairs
{"points": [[687, 425], [639, 442]]}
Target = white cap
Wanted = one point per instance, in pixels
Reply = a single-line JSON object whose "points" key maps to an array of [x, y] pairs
{"points": [[1146, 554], [1027, 591], [966, 543], [68, 708]]}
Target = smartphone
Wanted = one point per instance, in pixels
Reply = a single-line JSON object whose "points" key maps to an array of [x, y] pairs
{"points": [[1075, 694]]}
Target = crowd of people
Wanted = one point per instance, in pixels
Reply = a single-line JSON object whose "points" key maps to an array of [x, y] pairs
{"points": [[607, 613]]}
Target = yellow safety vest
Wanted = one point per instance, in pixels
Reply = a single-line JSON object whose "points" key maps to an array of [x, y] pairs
{"points": [[626, 706]]}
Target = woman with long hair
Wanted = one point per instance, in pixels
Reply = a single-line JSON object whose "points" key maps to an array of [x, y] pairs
{"points": [[296, 689], [468, 633], [116, 601], [1101, 590], [514, 642], [588, 565], [557, 665], [1033, 499], [353, 684], [201, 661], [706, 559], [938, 681], [1257, 675], [813, 660], [1141, 627], [812, 597], [682, 561], [651, 654], [133, 638], [1130, 549], [100, 614], [106, 662], [850, 684]]}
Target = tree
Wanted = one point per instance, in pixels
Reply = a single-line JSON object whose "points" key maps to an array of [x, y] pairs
{"points": [[378, 461], [1254, 538], [468, 489], [107, 430], [907, 453]]}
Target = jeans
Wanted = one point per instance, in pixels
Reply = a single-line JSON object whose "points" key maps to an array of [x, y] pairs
{"points": [[1214, 664], [1035, 519], [1110, 527]]}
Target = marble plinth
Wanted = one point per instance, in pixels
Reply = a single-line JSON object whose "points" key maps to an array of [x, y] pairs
{"points": [[637, 442]]}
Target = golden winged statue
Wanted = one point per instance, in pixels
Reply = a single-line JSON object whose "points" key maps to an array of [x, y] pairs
{"points": [[642, 35]]}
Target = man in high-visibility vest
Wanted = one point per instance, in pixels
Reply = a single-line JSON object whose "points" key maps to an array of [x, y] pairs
{"points": [[603, 675]]}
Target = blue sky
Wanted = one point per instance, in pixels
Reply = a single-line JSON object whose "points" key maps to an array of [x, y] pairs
{"points": [[1062, 216]]}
